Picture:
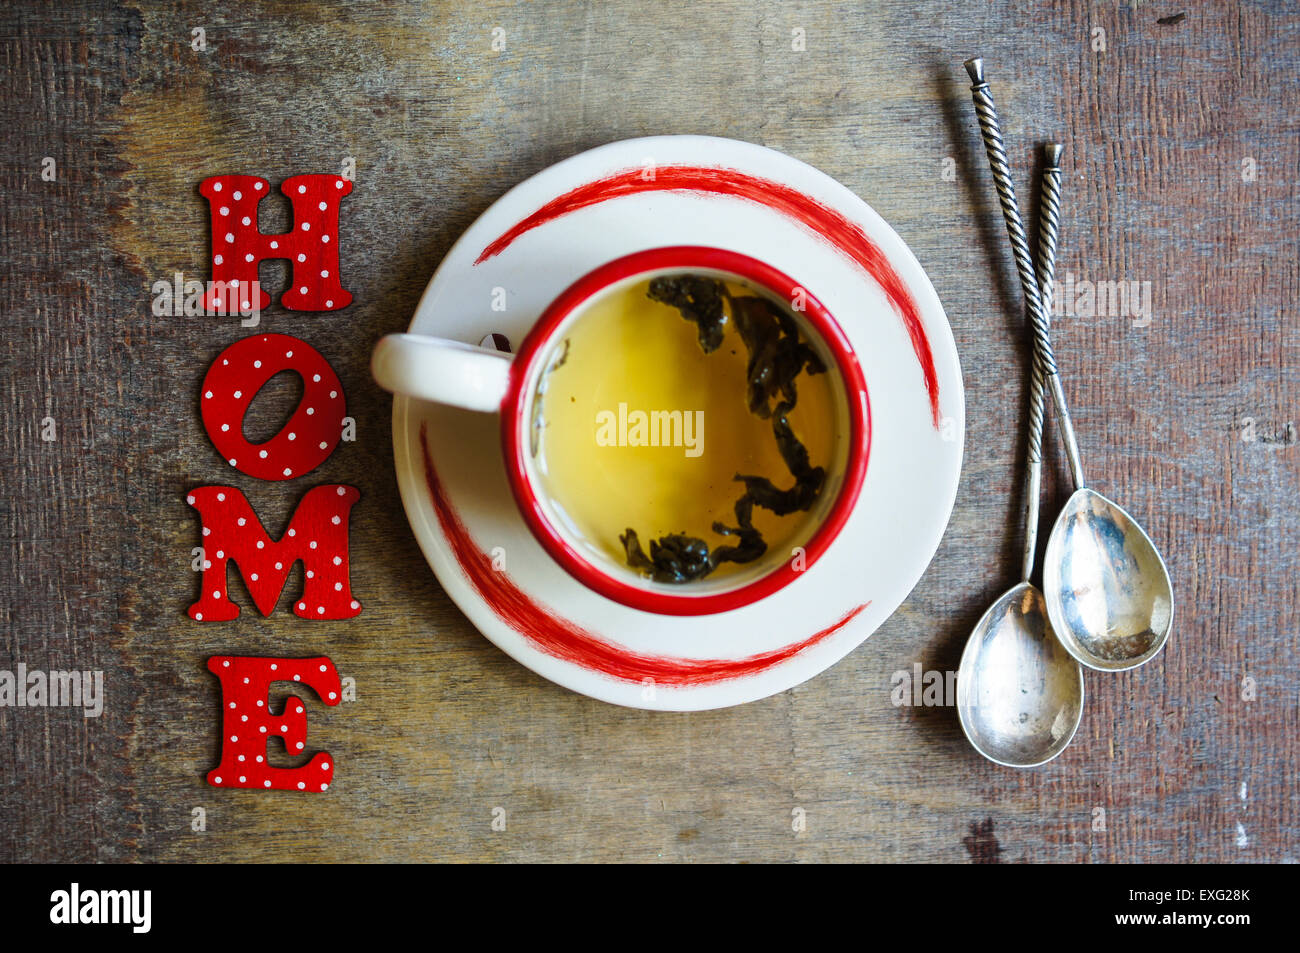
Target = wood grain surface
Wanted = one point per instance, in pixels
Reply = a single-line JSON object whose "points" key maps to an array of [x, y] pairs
{"points": [[1181, 173]]}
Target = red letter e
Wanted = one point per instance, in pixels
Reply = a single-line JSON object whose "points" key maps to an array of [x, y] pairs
{"points": [[247, 722]]}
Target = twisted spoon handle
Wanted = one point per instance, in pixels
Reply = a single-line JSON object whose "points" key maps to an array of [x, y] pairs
{"points": [[1049, 226], [1043, 354]]}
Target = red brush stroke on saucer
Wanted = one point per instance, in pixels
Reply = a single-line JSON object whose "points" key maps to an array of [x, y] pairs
{"points": [[817, 217], [565, 640]]}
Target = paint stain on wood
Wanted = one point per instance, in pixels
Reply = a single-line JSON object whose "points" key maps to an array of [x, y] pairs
{"points": [[980, 843]]}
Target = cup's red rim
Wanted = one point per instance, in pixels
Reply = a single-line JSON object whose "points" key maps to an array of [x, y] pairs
{"points": [[514, 428]]}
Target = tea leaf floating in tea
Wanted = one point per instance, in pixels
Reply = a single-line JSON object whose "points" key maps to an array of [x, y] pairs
{"points": [[777, 356], [699, 300], [751, 540], [673, 558], [681, 558], [808, 479]]}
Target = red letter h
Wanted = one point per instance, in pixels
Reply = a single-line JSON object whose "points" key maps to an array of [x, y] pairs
{"points": [[311, 245]]}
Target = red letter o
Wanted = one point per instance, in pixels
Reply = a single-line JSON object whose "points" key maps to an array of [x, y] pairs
{"points": [[311, 434]]}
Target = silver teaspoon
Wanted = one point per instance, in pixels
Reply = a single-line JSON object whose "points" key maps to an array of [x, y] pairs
{"points": [[1106, 587], [1019, 695]]}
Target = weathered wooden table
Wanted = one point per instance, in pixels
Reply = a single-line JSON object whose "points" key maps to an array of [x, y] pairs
{"points": [[1181, 177]]}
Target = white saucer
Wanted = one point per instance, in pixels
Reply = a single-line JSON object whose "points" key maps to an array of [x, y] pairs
{"points": [[498, 574]]}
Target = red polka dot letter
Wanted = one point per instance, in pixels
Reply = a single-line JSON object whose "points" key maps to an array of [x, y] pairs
{"points": [[317, 535], [248, 723], [311, 245]]}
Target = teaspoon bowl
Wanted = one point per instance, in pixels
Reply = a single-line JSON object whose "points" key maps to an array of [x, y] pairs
{"points": [[1106, 587], [1019, 695]]}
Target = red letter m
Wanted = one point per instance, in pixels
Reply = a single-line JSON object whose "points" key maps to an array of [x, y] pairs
{"points": [[317, 535]]}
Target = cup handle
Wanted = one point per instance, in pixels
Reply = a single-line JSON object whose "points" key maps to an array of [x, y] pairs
{"points": [[443, 371]]}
